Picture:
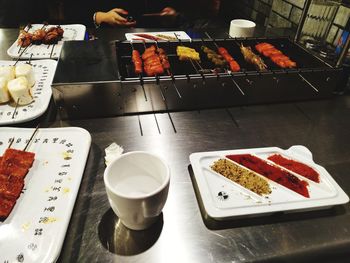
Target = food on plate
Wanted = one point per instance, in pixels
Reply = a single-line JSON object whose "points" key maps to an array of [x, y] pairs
{"points": [[148, 36], [253, 58], [155, 61], [24, 38], [53, 35], [234, 66], [14, 166], [275, 55], [11, 186], [167, 37], [15, 83], [26, 70], [6, 206], [273, 173], [214, 57], [19, 90], [295, 166], [136, 59], [242, 176], [8, 72], [4, 93], [40, 36], [187, 53]]}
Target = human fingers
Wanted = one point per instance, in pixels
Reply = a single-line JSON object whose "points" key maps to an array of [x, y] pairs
{"points": [[120, 11], [168, 11], [118, 18]]}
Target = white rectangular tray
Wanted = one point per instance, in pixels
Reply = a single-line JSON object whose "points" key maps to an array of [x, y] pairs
{"points": [[71, 32], [223, 199], [36, 227], [180, 35], [44, 71]]}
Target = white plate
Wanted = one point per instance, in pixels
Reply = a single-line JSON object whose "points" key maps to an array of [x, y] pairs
{"points": [[180, 35], [71, 32], [224, 199], [36, 227], [44, 71]]}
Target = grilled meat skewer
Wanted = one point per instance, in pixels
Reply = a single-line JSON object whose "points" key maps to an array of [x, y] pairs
{"points": [[136, 59], [253, 58], [275, 55], [234, 66], [24, 39]]}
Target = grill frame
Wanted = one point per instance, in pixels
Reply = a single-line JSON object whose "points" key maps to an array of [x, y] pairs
{"points": [[125, 95]]}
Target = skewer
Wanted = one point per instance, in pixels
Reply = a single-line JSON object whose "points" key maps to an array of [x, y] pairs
{"points": [[140, 77], [14, 112], [53, 47], [160, 88], [29, 26], [19, 57], [31, 137], [308, 82], [11, 142], [169, 71], [234, 82], [29, 60], [157, 78], [190, 58]]}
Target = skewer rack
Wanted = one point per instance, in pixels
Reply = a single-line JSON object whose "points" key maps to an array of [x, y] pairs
{"points": [[98, 79]]}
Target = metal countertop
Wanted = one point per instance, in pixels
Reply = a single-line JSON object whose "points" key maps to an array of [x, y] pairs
{"points": [[183, 233]]}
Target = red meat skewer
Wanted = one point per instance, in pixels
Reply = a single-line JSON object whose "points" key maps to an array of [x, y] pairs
{"points": [[268, 50]]}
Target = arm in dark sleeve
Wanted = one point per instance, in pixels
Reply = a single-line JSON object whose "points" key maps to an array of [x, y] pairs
{"points": [[80, 11]]}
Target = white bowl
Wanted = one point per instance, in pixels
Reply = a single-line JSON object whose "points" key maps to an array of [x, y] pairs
{"points": [[137, 185], [242, 28]]}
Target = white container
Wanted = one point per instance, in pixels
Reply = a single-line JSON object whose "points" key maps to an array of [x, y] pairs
{"points": [[137, 185], [242, 28]]}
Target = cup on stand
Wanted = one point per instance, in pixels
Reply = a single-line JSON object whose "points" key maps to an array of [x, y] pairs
{"points": [[137, 185], [242, 28]]}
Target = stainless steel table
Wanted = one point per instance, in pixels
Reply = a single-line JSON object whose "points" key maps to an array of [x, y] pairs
{"points": [[182, 233]]}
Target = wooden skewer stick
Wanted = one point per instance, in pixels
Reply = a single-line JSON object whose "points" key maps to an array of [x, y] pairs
{"points": [[31, 138], [169, 71], [157, 78], [30, 59], [234, 82], [140, 76], [20, 55], [308, 82], [11, 142], [53, 47], [14, 112]]}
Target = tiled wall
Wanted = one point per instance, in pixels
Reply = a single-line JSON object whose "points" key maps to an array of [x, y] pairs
{"points": [[287, 13]]}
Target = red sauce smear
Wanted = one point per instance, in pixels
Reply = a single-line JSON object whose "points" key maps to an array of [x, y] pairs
{"points": [[296, 167], [273, 173]]}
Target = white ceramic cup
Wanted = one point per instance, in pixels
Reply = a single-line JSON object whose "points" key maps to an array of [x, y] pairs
{"points": [[137, 185], [242, 28]]}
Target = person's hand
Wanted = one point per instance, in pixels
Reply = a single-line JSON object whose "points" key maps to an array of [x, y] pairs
{"points": [[168, 11], [113, 18]]}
